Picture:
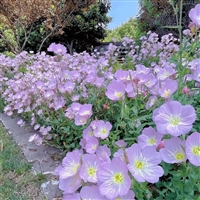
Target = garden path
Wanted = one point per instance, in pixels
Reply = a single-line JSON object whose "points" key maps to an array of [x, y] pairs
{"points": [[44, 159]]}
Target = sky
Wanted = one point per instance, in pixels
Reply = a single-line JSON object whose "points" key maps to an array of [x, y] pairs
{"points": [[121, 11]]}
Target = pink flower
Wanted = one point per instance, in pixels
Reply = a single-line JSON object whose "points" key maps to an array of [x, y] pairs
{"points": [[115, 179], [149, 137], [121, 143], [69, 86], [115, 90], [103, 129], [168, 87], [185, 90], [151, 102], [173, 118], [91, 145], [194, 15], [71, 184], [193, 148], [120, 153], [71, 164], [80, 120], [88, 133], [36, 138], [57, 48], [90, 165], [103, 153], [143, 163], [85, 110], [74, 196], [129, 196], [173, 151], [91, 192]]}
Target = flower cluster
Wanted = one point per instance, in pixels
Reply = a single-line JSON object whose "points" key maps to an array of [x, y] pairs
{"points": [[109, 178], [131, 121]]}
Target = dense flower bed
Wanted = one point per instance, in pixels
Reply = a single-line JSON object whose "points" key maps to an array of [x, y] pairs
{"points": [[131, 130]]}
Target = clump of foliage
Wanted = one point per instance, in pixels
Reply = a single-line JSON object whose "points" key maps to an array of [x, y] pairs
{"points": [[128, 29], [155, 15]]}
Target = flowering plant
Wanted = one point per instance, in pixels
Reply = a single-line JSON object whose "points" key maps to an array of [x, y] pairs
{"points": [[130, 130]]}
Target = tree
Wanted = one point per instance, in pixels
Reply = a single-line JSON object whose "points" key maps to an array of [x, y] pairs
{"points": [[155, 14], [128, 29], [86, 29], [20, 16]]}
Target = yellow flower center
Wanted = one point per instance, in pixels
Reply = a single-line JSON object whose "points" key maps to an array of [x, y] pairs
{"points": [[196, 150], [167, 93], [73, 168], [118, 178], [91, 133], [92, 171], [148, 83], [139, 164], [166, 74], [103, 131], [152, 141], [179, 156], [94, 147], [83, 121], [152, 101], [87, 112], [118, 94], [175, 120]]}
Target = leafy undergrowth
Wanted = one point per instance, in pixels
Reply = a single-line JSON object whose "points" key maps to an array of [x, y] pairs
{"points": [[16, 180]]}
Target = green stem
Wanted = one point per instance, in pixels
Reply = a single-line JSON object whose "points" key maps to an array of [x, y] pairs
{"points": [[122, 108], [181, 48]]}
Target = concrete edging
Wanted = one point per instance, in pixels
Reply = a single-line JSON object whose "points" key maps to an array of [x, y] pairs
{"points": [[41, 157]]}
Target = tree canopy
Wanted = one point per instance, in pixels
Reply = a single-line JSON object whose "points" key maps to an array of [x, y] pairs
{"points": [[85, 30], [22, 16], [155, 14], [128, 29]]}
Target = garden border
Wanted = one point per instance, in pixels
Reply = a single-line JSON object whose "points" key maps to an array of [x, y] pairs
{"points": [[42, 158]]}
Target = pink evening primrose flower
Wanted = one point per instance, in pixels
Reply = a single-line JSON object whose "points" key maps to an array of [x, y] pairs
{"points": [[151, 102], [129, 196], [143, 163], [103, 129], [121, 143], [173, 151], [103, 153], [36, 138], [80, 120], [173, 118], [71, 184], [193, 148], [91, 145], [88, 133], [115, 90], [85, 110], [168, 87], [90, 165], [149, 137], [71, 164], [57, 48], [91, 193], [194, 15], [120, 153], [115, 179], [75, 196]]}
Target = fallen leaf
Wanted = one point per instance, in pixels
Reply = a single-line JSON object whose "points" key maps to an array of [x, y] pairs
{"points": [[32, 150]]}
